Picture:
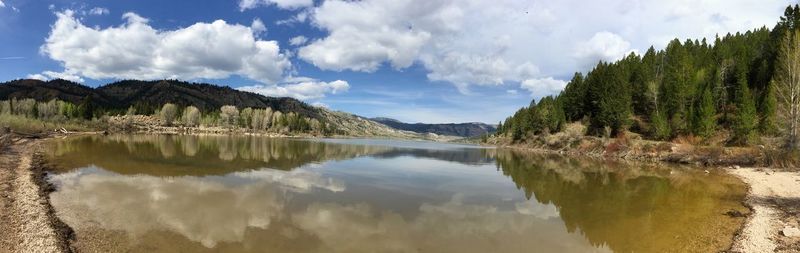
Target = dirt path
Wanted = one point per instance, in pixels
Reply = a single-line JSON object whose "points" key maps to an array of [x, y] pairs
{"points": [[775, 200], [27, 222]]}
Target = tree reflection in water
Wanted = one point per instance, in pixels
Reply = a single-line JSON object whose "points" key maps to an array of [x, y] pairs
{"points": [[253, 194]]}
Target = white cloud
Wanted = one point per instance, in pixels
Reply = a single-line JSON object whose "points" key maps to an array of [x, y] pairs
{"points": [[38, 77], [99, 11], [455, 47], [49, 75], [475, 42], [321, 105], [300, 17], [258, 26], [605, 46], [2, 4], [298, 40], [283, 4], [543, 87], [303, 90], [365, 34], [138, 51]]}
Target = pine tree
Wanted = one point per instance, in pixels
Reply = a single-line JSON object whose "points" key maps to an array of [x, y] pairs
{"points": [[659, 128], [499, 128], [86, 108], [704, 123], [610, 98], [767, 108], [746, 120], [574, 95], [641, 80], [675, 88]]}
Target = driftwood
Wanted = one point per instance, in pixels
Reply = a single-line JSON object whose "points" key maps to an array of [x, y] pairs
{"points": [[30, 135]]}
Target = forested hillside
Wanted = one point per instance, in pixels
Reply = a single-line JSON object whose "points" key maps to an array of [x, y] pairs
{"points": [[27, 103], [727, 86], [148, 96]]}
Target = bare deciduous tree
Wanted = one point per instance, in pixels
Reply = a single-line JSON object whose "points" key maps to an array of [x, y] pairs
{"points": [[47, 110], [168, 113], [787, 84], [258, 118], [191, 116], [229, 115], [267, 122], [245, 117]]}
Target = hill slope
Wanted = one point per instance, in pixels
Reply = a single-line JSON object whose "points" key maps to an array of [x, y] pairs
{"points": [[471, 129], [152, 94]]}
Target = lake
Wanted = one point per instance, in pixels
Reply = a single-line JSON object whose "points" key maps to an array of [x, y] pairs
{"points": [[175, 193]]}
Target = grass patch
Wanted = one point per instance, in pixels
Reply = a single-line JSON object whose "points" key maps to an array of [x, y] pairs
{"points": [[28, 125]]}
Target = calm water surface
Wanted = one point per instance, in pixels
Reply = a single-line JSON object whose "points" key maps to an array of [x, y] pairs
{"points": [[160, 193]]}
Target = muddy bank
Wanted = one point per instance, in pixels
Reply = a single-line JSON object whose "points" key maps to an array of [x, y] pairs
{"points": [[28, 222], [774, 197], [635, 149]]}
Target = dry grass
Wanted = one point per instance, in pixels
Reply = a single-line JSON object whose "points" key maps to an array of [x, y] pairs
{"points": [[572, 133], [778, 158], [28, 125], [688, 139]]}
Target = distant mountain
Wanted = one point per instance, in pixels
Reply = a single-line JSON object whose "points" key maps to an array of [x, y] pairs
{"points": [[123, 94], [53, 89], [208, 97], [470, 129]]}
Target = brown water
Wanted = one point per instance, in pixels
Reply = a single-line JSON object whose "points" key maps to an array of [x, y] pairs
{"points": [[159, 193]]}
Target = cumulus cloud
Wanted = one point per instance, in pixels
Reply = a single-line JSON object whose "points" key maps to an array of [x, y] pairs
{"points": [[298, 40], [283, 4], [303, 90], [2, 4], [473, 42], [454, 47], [49, 75], [605, 46], [363, 35], [99, 11], [543, 87], [320, 105], [300, 17], [138, 51], [258, 26]]}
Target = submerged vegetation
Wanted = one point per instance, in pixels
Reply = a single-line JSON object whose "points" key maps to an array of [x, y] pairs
{"points": [[730, 92]]}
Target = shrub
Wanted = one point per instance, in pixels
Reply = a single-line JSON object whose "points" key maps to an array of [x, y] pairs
{"points": [[168, 113]]}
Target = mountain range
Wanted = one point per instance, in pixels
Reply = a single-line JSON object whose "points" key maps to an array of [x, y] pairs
{"points": [[123, 94], [208, 97], [470, 129]]}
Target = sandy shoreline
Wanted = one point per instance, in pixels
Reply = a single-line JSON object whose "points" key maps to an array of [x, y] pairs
{"points": [[27, 219], [774, 197]]}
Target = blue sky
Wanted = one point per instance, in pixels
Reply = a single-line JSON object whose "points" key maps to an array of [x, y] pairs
{"points": [[414, 60]]}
